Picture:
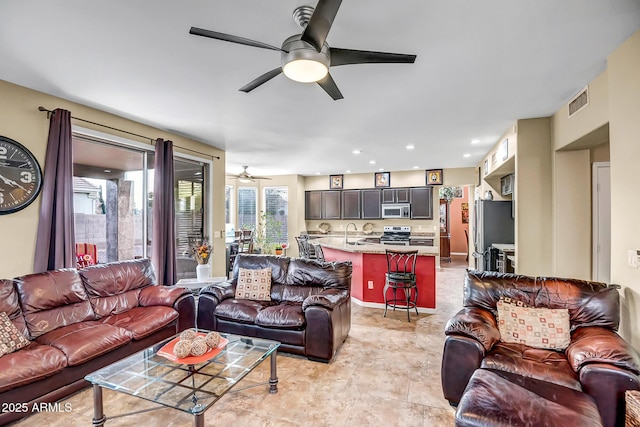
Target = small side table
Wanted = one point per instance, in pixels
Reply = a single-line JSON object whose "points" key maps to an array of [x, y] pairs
{"points": [[632, 400]]}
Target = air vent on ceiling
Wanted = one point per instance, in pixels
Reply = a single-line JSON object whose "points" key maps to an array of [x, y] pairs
{"points": [[578, 102]]}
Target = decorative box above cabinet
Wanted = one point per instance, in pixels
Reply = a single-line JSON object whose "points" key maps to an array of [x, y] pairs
{"points": [[506, 184]]}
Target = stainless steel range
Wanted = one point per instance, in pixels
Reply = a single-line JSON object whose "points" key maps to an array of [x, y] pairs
{"points": [[396, 235]]}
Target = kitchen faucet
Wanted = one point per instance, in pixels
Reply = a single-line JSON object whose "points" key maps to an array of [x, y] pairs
{"points": [[346, 229]]}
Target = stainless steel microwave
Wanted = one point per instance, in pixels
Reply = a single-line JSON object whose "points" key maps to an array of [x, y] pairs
{"points": [[396, 210]]}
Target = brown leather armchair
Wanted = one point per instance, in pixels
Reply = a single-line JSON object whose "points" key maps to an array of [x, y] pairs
{"points": [[597, 361]]}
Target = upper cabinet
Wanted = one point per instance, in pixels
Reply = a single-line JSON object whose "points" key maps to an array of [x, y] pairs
{"points": [[371, 204], [313, 204], [395, 195], [351, 204], [421, 202], [331, 203]]}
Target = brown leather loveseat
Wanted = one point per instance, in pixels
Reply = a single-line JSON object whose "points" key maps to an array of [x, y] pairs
{"points": [[308, 311], [596, 366], [79, 321]]}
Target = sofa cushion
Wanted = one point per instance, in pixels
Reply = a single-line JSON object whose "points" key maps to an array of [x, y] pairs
{"points": [[11, 339], [279, 265], [10, 305], [308, 272], [535, 327], [244, 311], [546, 365], [142, 321], [53, 299], [283, 315], [84, 341], [30, 364], [254, 284], [114, 287]]}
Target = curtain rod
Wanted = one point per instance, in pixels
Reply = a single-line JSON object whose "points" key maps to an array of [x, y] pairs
{"points": [[50, 112]]}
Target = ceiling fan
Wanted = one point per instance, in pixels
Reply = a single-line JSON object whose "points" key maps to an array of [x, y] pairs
{"points": [[246, 177], [306, 57]]}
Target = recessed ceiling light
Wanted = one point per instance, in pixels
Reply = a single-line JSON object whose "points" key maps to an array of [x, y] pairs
{"points": [[372, 162], [466, 155], [348, 171], [416, 167], [381, 169], [475, 141], [410, 147], [317, 173], [356, 151]]}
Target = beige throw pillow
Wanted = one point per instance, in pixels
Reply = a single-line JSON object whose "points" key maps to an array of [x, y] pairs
{"points": [[254, 284], [10, 337], [547, 328]]}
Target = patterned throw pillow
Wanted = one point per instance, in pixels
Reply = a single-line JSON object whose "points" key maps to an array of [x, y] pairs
{"points": [[536, 327], [254, 284], [10, 337]]}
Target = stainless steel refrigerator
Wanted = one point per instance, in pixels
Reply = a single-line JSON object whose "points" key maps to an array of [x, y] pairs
{"points": [[493, 223]]}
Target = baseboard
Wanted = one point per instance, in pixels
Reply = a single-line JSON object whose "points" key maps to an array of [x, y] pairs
{"points": [[381, 306]]}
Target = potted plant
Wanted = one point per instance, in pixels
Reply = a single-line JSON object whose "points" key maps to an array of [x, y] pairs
{"points": [[278, 249]]}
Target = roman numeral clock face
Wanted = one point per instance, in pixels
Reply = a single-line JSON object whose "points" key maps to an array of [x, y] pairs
{"points": [[20, 176]]}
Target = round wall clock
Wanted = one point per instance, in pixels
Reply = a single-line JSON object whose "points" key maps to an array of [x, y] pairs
{"points": [[20, 176]]}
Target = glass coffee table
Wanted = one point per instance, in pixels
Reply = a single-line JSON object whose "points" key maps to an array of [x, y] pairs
{"points": [[188, 388]]}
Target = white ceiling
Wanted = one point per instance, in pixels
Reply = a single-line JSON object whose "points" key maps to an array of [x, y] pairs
{"points": [[481, 65]]}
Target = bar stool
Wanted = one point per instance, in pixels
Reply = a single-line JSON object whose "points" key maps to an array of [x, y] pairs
{"points": [[401, 268]]}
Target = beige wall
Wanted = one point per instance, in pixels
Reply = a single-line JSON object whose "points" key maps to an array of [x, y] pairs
{"points": [[624, 125], [22, 122], [533, 221], [572, 214]]}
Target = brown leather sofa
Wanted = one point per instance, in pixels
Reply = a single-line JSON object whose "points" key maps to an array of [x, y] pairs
{"points": [[309, 311], [80, 321], [597, 363]]}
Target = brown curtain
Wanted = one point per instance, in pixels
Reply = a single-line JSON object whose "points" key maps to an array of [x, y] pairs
{"points": [[55, 242], [163, 246]]}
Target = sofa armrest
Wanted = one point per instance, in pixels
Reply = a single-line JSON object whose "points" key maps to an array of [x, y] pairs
{"points": [[329, 298], [476, 323], [220, 291], [161, 295], [595, 344]]}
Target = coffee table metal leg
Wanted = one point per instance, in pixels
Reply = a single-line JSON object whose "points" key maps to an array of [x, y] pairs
{"points": [[198, 420], [98, 411], [273, 380]]}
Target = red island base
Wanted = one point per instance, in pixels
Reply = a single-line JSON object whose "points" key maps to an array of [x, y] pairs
{"points": [[371, 267]]}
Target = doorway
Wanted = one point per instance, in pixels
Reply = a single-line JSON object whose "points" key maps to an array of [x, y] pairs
{"points": [[601, 203]]}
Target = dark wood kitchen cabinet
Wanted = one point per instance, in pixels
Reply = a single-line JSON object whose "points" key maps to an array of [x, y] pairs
{"points": [[351, 204], [331, 205], [371, 204], [313, 204], [421, 202], [395, 195]]}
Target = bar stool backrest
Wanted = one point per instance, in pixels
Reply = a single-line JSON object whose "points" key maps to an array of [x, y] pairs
{"points": [[401, 261]]}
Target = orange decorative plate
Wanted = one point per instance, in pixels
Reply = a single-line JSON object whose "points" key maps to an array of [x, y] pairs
{"points": [[167, 351]]}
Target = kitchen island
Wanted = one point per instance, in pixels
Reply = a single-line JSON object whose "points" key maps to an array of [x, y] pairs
{"points": [[370, 265]]}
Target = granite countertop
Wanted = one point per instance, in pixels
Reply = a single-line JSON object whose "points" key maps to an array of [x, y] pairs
{"points": [[372, 248], [505, 247]]}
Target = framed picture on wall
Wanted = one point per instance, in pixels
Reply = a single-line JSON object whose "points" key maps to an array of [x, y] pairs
{"points": [[382, 179], [335, 182], [434, 177]]}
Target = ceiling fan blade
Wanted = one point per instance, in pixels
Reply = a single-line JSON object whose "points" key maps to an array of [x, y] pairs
{"points": [[259, 177], [260, 80], [350, 56], [230, 38], [320, 23], [330, 87]]}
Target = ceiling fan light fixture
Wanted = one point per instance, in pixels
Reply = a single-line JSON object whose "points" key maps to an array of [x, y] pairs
{"points": [[244, 180], [305, 70]]}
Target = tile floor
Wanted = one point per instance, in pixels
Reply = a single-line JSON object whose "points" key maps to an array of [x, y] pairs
{"points": [[387, 373]]}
